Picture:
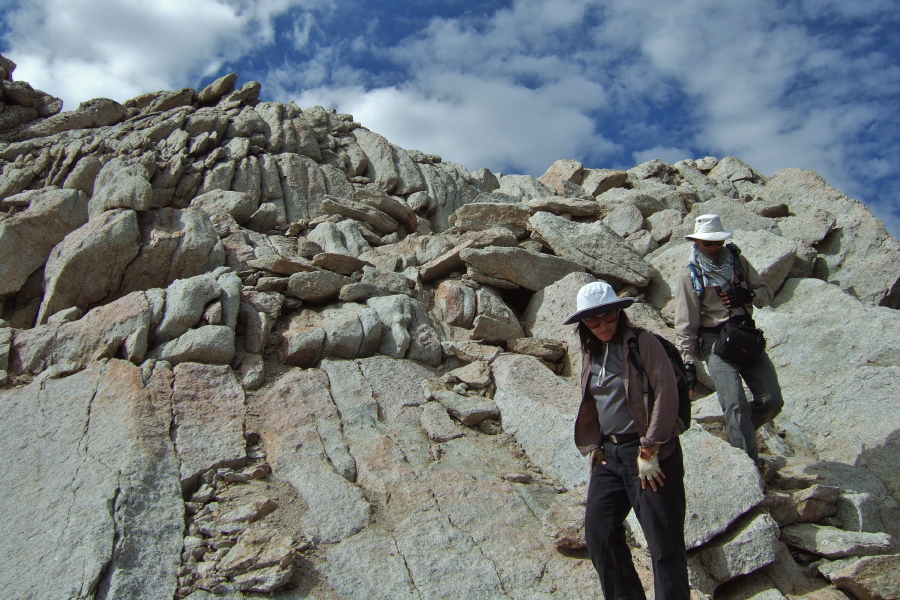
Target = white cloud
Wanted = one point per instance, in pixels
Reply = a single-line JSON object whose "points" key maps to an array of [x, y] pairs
{"points": [[465, 119], [120, 48], [800, 84], [763, 83]]}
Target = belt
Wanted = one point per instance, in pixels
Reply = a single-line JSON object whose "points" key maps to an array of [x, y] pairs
{"points": [[623, 438]]}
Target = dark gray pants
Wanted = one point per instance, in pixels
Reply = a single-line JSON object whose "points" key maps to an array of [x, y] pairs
{"points": [[615, 490], [742, 417]]}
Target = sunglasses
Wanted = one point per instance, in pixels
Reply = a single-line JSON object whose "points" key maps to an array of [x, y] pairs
{"points": [[708, 243], [609, 317]]}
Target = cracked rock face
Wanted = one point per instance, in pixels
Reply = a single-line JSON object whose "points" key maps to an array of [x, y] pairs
{"points": [[248, 348], [97, 502]]}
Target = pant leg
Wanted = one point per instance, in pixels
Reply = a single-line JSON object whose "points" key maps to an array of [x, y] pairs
{"points": [[762, 379], [607, 507], [730, 388], [661, 514]]}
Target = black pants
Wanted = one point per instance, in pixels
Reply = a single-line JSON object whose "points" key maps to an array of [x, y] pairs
{"points": [[614, 490]]}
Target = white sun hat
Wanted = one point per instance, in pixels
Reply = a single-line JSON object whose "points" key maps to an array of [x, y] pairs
{"points": [[596, 298], [709, 228]]}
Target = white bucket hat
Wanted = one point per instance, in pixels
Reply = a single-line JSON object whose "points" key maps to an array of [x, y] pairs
{"points": [[709, 228], [596, 298]]}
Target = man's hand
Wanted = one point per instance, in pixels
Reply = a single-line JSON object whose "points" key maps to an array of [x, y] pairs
{"points": [[648, 468], [737, 297], [690, 372]]}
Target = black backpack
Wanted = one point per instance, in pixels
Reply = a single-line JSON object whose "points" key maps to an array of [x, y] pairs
{"points": [[684, 393]]}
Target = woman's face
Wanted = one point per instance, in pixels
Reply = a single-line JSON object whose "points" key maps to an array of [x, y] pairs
{"points": [[604, 325]]}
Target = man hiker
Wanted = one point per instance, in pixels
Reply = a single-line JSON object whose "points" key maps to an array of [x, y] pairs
{"points": [[718, 285]]}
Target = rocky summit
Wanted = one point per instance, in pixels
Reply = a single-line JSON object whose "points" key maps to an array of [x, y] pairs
{"points": [[253, 350]]}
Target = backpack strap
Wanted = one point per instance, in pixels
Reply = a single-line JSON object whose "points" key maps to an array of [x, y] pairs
{"points": [[738, 267], [635, 357], [696, 280]]}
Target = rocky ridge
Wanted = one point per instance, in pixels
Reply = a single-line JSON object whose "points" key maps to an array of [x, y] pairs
{"points": [[251, 348]]}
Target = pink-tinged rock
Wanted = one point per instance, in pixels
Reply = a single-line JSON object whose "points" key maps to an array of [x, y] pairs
{"points": [[563, 170], [455, 303], [91, 487], [103, 248], [209, 409], [118, 329], [302, 432]]}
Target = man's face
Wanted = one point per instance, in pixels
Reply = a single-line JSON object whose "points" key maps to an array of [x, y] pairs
{"points": [[710, 249]]}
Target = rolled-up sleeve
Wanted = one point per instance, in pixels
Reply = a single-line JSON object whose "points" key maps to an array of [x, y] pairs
{"points": [[687, 317], [664, 417]]}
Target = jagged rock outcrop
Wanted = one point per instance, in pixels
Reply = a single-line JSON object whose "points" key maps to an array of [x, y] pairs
{"points": [[246, 346]]}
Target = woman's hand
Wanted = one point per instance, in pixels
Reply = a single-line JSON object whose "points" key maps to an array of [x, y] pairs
{"points": [[595, 455], [648, 468]]}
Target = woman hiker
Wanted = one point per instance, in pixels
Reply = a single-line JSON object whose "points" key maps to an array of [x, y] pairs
{"points": [[635, 457]]}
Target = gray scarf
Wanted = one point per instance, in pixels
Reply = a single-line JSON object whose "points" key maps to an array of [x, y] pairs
{"points": [[717, 271]]}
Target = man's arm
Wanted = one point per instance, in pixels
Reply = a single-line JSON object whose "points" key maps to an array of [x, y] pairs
{"points": [[687, 317]]}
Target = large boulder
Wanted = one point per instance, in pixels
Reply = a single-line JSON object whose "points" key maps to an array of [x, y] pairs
{"points": [[753, 544], [511, 268], [88, 265], [598, 248], [837, 360], [380, 167], [239, 205], [26, 238], [721, 483], [479, 216], [211, 344], [118, 329], [121, 185], [175, 244], [859, 255], [869, 578], [547, 310], [186, 300], [539, 409]]}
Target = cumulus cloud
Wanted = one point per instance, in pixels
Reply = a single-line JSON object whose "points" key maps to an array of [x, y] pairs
{"points": [[120, 48], [471, 121], [505, 90], [764, 82], [516, 84]]}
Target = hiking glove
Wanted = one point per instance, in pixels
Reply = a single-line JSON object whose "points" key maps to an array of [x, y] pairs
{"points": [[648, 470], [737, 297], [690, 373]]}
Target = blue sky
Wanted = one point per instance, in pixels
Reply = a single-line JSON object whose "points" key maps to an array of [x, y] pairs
{"points": [[514, 85]]}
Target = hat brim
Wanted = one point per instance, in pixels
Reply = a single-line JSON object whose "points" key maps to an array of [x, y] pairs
{"points": [[718, 236], [593, 311]]}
